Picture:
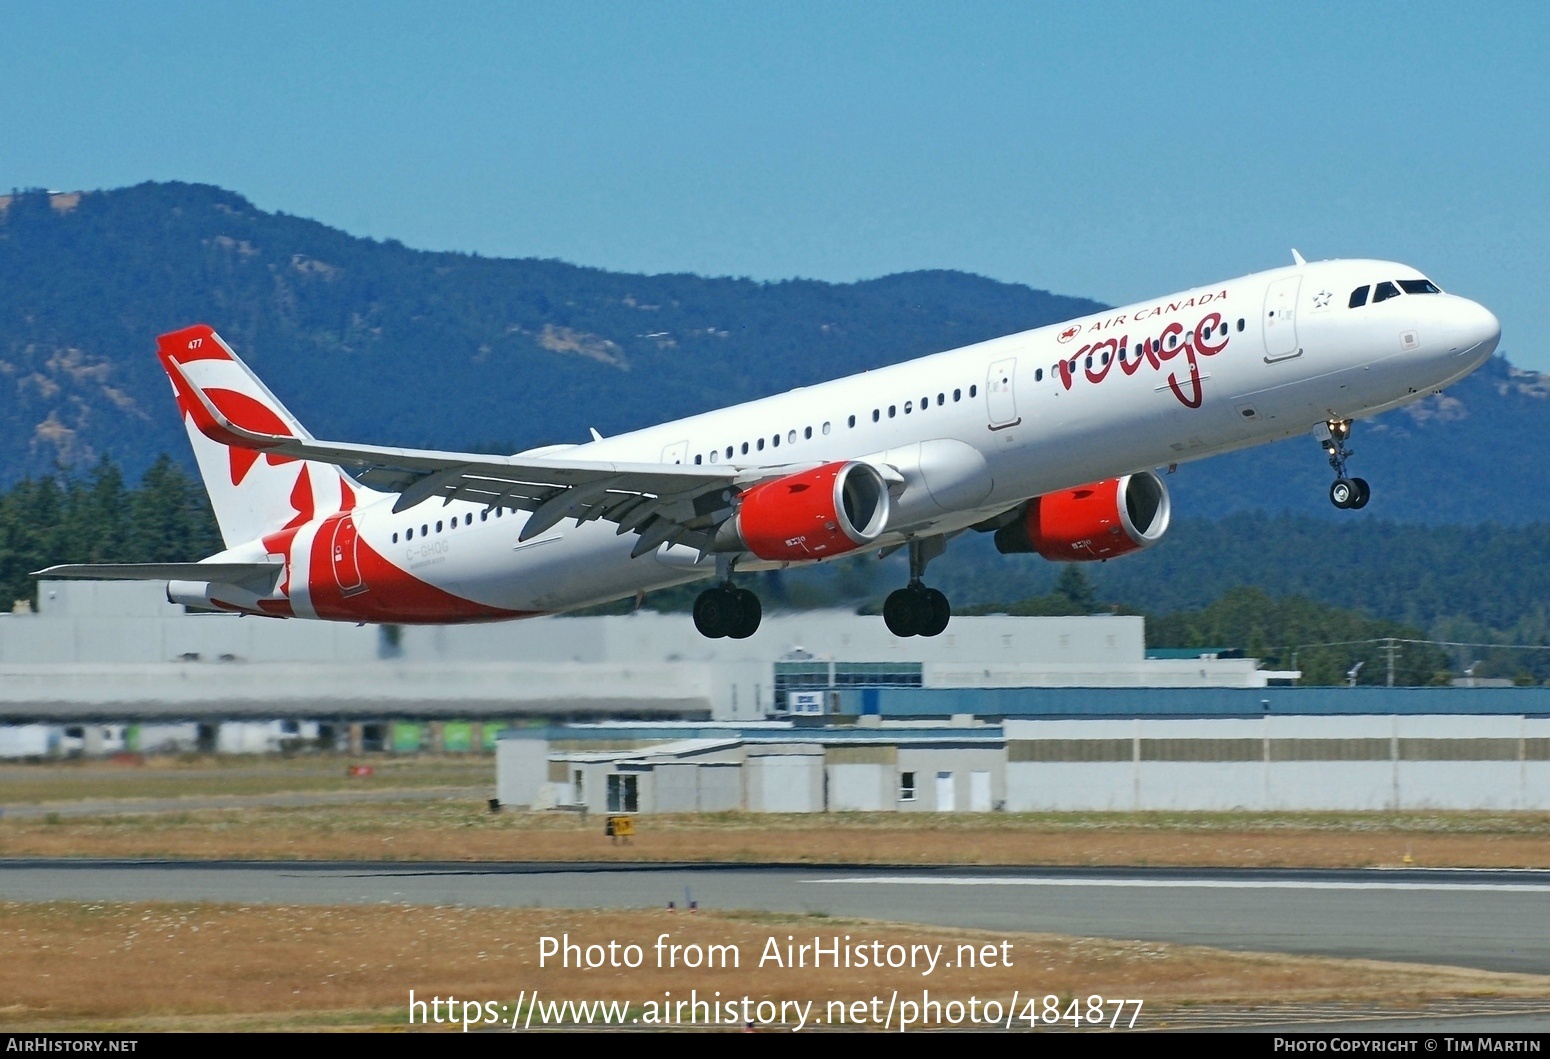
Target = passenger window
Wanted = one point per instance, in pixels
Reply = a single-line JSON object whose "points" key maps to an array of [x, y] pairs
{"points": [[395, 538], [893, 410], [745, 447], [1418, 286], [807, 432], [974, 391], [498, 512], [925, 402], [484, 516], [1038, 376], [1240, 323], [713, 456], [791, 436], [941, 399], [775, 441], [826, 425], [438, 525], [957, 394], [697, 458], [907, 405], [1384, 291], [468, 519], [729, 451], [852, 422], [761, 445], [1359, 297], [876, 415], [425, 531]]}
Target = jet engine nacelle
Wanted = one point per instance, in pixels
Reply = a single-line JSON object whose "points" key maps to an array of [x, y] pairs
{"points": [[1091, 522], [814, 514]]}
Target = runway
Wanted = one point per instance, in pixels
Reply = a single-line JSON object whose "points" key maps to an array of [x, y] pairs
{"points": [[1494, 920]]}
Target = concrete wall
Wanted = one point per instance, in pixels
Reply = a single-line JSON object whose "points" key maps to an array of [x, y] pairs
{"points": [[1280, 763], [780, 781], [960, 764], [367, 689], [521, 770]]}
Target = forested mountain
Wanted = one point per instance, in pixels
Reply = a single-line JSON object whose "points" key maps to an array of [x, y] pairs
{"points": [[372, 341], [375, 342]]}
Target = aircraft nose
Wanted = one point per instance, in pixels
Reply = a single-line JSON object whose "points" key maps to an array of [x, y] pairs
{"points": [[1474, 329]]}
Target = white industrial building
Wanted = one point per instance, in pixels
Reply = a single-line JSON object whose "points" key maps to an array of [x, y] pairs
{"points": [[111, 651], [1311, 762]]}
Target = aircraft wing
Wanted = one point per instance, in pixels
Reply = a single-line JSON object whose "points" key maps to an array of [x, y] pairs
{"points": [[677, 503]]}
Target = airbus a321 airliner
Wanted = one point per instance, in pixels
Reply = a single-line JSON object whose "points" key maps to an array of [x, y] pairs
{"points": [[1047, 438]]}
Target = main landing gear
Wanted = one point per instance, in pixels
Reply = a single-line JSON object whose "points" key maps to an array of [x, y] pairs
{"points": [[916, 610], [1346, 492], [727, 610]]}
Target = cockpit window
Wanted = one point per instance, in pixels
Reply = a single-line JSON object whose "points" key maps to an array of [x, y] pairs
{"points": [[1384, 291], [1418, 286], [1359, 296]]}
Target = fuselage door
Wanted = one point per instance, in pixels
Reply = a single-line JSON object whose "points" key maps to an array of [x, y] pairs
{"points": [[1280, 320], [347, 568], [678, 452], [1000, 394]]}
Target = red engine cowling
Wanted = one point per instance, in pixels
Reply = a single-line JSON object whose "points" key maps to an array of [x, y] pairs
{"points": [[826, 511], [1098, 521]]}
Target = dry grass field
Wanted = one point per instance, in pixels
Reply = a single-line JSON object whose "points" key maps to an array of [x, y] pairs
{"points": [[206, 775], [459, 830], [66, 966], [460, 827]]}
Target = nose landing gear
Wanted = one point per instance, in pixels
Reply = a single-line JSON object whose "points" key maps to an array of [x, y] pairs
{"points": [[1346, 492], [916, 610], [727, 610]]}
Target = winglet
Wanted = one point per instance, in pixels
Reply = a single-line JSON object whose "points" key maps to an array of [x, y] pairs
{"points": [[1297, 258]]}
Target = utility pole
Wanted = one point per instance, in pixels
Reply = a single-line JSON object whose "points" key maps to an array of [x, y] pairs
{"points": [[1389, 648]]}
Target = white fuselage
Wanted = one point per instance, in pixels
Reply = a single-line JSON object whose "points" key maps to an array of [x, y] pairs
{"points": [[971, 432]]}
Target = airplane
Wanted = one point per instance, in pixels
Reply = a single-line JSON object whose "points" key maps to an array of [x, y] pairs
{"points": [[1050, 439]]}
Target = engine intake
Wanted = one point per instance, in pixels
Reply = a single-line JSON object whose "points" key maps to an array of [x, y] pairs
{"points": [[814, 514], [1091, 522]]}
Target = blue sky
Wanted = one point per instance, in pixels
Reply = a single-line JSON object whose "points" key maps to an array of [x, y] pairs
{"points": [[1116, 151]]}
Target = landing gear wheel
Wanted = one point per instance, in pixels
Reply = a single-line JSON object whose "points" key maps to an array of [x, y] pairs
{"points": [[1363, 494], [1343, 493], [749, 611], [905, 612], [727, 610], [941, 611], [716, 611]]}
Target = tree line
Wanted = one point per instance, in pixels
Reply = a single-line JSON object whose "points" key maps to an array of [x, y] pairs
{"points": [[99, 518]]}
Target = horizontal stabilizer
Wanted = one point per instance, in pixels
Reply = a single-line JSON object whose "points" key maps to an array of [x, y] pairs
{"points": [[225, 573]]}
